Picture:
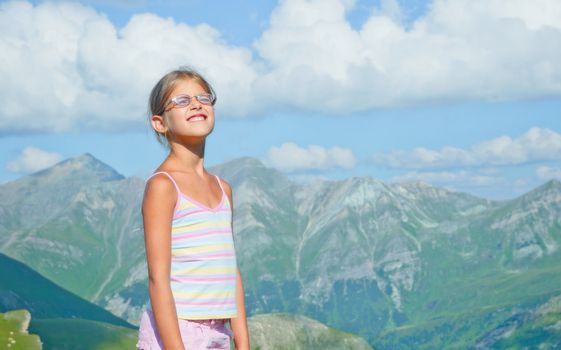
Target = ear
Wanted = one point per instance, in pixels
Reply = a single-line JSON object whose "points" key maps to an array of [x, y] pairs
{"points": [[158, 124]]}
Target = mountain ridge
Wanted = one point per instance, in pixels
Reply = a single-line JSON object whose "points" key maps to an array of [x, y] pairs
{"points": [[356, 254]]}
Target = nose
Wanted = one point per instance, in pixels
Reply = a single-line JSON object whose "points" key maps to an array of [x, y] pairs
{"points": [[195, 104]]}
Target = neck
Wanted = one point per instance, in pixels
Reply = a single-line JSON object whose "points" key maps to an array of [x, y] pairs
{"points": [[188, 157]]}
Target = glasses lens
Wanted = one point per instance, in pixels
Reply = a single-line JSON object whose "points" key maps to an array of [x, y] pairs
{"points": [[205, 99], [185, 100], [182, 100]]}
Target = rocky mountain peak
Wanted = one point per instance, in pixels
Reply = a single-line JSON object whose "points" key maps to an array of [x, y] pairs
{"points": [[241, 163], [86, 166], [547, 193], [57, 183], [413, 189], [551, 185], [245, 169]]}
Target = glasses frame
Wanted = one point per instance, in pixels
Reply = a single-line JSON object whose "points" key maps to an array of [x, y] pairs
{"points": [[190, 99]]}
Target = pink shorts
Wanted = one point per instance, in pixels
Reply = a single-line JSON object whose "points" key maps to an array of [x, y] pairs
{"points": [[196, 334]]}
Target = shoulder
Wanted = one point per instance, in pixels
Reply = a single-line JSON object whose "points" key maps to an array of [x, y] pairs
{"points": [[160, 186], [160, 181]]}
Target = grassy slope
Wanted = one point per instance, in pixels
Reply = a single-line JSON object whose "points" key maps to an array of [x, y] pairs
{"points": [[83, 334], [294, 332], [23, 288], [542, 329], [13, 331], [454, 312], [543, 332]]}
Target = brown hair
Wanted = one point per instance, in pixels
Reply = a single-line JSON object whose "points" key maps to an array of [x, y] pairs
{"points": [[163, 89]]}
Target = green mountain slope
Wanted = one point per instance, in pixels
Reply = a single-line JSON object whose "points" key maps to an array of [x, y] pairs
{"points": [[23, 288], [294, 332], [535, 328], [14, 331], [71, 334]]}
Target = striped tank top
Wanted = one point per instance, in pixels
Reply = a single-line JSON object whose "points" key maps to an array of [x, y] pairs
{"points": [[203, 259]]}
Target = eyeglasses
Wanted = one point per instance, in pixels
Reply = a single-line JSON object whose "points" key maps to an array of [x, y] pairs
{"points": [[185, 100]]}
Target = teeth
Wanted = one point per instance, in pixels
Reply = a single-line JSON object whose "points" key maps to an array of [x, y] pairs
{"points": [[196, 118]]}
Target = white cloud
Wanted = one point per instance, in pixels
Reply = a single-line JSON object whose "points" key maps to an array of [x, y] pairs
{"points": [[537, 144], [291, 157], [460, 50], [521, 182], [33, 159], [65, 66], [547, 173], [392, 9]]}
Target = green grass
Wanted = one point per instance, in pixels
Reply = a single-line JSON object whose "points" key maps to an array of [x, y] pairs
{"points": [[543, 332], [459, 331], [13, 331], [63, 334]]}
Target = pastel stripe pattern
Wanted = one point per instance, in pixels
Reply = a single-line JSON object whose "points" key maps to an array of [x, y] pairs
{"points": [[203, 259]]}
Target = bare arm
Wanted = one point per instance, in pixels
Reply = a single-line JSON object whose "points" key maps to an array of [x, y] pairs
{"points": [[157, 210], [239, 323]]}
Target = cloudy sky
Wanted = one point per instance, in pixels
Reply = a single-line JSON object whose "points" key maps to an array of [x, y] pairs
{"points": [[462, 94]]}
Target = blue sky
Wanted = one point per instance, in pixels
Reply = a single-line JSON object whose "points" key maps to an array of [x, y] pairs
{"points": [[460, 94]]}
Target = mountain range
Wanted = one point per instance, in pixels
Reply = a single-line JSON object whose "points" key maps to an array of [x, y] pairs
{"points": [[404, 265], [63, 320]]}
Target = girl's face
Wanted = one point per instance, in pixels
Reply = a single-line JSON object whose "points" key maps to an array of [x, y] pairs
{"points": [[190, 123]]}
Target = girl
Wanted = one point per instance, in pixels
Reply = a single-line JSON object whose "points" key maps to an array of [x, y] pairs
{"points": [[194, 283]]}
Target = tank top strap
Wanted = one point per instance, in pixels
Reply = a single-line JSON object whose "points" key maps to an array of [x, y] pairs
{"points": [[220, 184], [169, 176]]}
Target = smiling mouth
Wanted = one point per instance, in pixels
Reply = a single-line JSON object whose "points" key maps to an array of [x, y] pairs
{"points": [[197, 118]]}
